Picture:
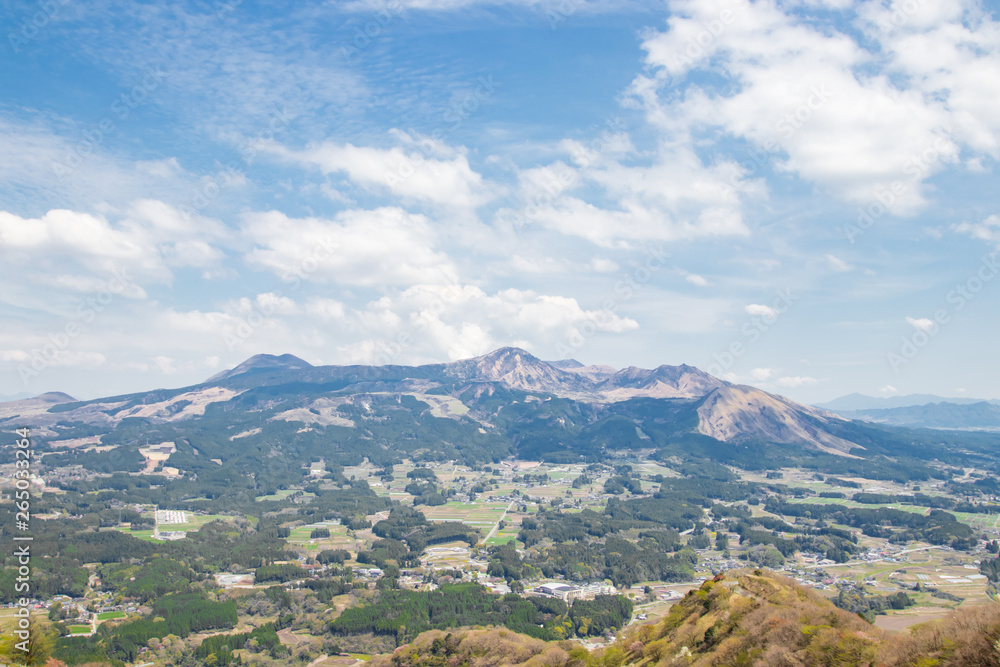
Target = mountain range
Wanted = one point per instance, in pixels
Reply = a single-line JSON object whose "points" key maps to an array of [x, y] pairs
{"points": [[725, 412], [920, 410], [855, 402], [273, 415]]}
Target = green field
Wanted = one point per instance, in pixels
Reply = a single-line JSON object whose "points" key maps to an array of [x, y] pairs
{"points": [[338, 539], [79, 629], [110, 616], [915, 509], [284, 493], [145, 535], [506, 535], [475, 513], [985, 522]]}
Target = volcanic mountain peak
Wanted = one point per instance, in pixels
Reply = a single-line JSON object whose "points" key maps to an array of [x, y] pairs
{"points": [[516, 368], [662, 382], [263, 362], [35, 405], [54, 397], [736, 412]]}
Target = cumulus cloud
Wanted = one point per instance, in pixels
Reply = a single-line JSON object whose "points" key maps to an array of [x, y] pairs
{"points": [[921, 324], [386, 246], [84, 252], [760, 310], [819, 102], [987, 230], [603, 265], [458, 321], [695, 279], [420, 170], [668, 195]]}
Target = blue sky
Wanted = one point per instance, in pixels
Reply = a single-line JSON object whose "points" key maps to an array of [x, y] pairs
{"points": [[798, 195]]}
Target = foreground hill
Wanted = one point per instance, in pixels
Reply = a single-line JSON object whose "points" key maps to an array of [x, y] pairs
{"points": [[755, 618]]}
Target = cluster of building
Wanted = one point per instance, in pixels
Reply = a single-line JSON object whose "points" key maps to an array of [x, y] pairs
{"points": [[568, 592]]}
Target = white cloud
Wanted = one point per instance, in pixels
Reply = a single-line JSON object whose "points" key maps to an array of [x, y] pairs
{"points": [[838, 264], [537, 265], [987, 230], [165, 365], [888, 390], [614, 194], [761, 374], [326, 309], [637, 222], [386, 246], [422, 170], [55, 259], [602, 265], [921, 324], [797, 381], [269, 302], [949, 50], [695, 279], [461, 321], [819, 103], [62, 232], [760, 310]]}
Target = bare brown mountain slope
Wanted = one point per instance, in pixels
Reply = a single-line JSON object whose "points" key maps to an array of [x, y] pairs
{"points": [[662, 382], [519, 369], [739, 412]]}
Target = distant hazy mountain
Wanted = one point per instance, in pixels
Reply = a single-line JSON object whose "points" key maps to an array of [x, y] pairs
{"points": [[14, 397], [971, 416], [33, 406], [920, 411], [852, 402]]}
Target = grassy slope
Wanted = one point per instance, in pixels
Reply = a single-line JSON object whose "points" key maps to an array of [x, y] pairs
{"points": [[756, 618]]}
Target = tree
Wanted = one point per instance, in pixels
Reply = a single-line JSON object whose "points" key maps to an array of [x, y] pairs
{"points": [[34, 650]]}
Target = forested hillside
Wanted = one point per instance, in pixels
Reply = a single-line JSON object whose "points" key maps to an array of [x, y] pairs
{"points": [[756, 618]]}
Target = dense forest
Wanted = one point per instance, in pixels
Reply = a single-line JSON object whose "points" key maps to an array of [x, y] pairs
{"points": [[405, 614]]}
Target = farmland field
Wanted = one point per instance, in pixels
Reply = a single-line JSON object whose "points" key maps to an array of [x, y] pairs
{"points": [[145, 535], [284, 493], [506, 535], [338, 539], [479, 514], [110, 615]]}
